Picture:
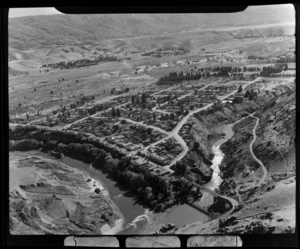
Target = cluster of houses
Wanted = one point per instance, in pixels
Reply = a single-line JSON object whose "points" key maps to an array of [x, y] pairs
{"points": [[153, 157], [121, 141]]}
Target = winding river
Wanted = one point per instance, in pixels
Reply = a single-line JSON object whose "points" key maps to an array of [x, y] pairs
{"points": [[138, 219]]}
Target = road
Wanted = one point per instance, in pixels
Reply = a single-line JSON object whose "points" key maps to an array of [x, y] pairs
{"points": [[233, 202], [142, 124], [265, 172], [94, 115]]}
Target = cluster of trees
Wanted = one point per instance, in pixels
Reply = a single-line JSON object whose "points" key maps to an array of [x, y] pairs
{"points": [[81, 62], [267, 71], [115, 112], [250, 95], [136, 99], [253, 57], [237, 100], [251, 69], [141, 101], [286, 59], [46, 70], [151, 189], [113, 91], [178, 77], [171, 50], [175, 77]]}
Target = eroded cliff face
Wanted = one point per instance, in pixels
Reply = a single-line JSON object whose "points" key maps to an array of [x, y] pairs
{"points": [[49, 197]]}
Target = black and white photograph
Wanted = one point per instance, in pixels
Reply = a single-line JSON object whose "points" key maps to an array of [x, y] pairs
{"points": [[152, 124]]}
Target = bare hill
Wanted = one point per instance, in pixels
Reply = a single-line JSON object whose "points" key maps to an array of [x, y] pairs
{"points": [[36, 31]]}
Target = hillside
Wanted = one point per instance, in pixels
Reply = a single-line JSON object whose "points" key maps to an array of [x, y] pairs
{"points": [[32, 31]]}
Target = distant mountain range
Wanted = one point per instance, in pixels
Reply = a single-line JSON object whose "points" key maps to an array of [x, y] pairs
{"points": [[44, 31]]}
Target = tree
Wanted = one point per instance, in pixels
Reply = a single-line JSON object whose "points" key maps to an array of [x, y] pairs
{"points": [[112, 91], [196, 145], [113, 112], [237, 100], [180, 166], [247, 94], [240, 89], [118, 113], [149, 130], [154, 116], [143, 98]]}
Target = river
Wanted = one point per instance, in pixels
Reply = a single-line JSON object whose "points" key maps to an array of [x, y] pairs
{"points": [[216, 179], [137, 219]]}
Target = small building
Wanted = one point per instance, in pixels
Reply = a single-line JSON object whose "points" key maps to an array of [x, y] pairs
{"points": [[157, 159], [291, 66]]}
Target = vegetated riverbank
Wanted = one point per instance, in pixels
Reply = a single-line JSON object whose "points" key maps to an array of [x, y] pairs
{"points": [[132, 212], [150, 190], [136, 218], [48, 197]]}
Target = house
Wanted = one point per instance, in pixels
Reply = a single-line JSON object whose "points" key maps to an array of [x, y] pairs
{"points": [[291, 66], [251, 75], [157, 159]]}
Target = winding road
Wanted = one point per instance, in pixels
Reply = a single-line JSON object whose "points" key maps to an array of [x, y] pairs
{"points": [[265, 172]]}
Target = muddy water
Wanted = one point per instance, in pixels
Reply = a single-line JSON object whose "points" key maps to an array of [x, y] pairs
{"points": [[216, 179]]}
